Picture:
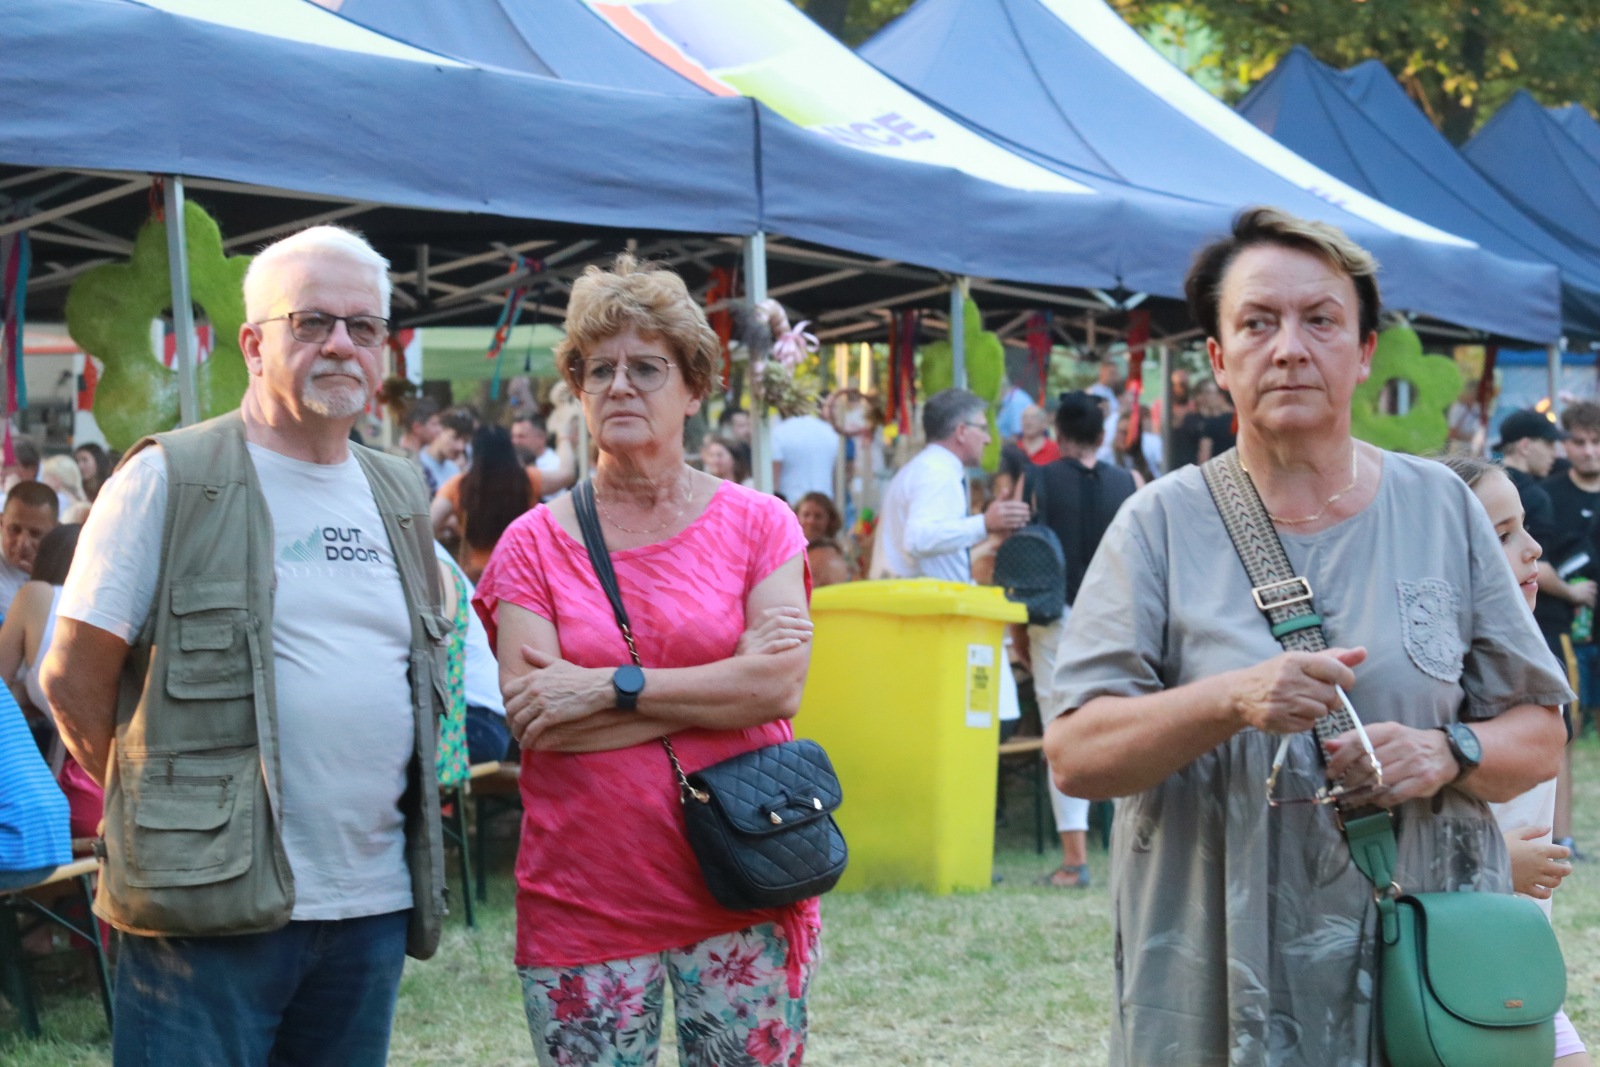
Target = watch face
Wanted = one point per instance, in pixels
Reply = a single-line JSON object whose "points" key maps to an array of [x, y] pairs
{"points": [[1467, 741], [629, 680]]}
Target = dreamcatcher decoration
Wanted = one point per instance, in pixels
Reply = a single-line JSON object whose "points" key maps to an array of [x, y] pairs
{"points": [[510, 313]]}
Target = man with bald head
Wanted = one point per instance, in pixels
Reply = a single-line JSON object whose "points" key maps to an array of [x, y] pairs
{"points": [[248, 654]]}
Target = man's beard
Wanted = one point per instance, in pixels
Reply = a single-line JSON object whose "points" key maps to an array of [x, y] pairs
{"points": [[329, 400]]}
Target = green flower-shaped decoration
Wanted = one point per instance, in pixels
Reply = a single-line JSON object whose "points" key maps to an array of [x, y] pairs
{"points": [[109, 312], [986, 369], [1435, 383]]}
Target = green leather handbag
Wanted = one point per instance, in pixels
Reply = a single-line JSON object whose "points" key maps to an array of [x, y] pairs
{"points": [[1466, 979]]}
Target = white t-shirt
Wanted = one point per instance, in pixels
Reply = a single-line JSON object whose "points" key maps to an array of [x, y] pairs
{"points": [[807, 447], [1536, 807], [341, 645], [548, 463]]}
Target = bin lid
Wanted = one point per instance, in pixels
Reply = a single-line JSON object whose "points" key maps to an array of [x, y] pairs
{"points": [[919, 596]]}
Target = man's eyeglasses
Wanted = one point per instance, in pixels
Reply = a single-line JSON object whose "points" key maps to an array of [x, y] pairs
{"points": [[644, 373], [981, 427], [315, 327], [1328, 794]]}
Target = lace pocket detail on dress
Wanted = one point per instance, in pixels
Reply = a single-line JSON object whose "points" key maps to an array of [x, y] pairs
{"points": [[1430, 627]]}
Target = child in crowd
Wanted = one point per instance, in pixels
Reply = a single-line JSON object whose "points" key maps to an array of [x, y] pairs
{"points": [[1537, 865]]}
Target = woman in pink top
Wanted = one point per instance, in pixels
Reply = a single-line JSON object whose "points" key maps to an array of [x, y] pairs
{"points": [[610, 900]]}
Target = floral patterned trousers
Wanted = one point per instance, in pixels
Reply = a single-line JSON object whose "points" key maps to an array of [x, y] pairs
{"points": [[730, 994]]}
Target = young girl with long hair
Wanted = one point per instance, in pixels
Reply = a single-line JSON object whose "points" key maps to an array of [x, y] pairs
{"points": [[1537, 865]]}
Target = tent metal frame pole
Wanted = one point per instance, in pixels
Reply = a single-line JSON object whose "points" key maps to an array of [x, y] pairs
{"points": [[1553, 373], [755, 291], [185, 359], [958, 331]]}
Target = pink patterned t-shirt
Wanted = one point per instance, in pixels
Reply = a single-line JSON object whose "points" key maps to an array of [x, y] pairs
{"points": [[604, 871]]}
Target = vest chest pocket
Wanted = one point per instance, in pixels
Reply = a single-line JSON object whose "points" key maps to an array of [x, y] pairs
{"points": [[210, 659], [188, 817]]}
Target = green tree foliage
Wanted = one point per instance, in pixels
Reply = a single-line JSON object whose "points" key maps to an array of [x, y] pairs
{"points": [[1458, 59], [853, 21]]}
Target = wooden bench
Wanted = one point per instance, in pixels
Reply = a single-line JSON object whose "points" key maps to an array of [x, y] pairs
{"points": [[1032, 747], [495, 789], [15, 975], [1100, 812]]}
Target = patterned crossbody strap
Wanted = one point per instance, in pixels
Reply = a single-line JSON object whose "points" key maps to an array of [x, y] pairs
{"points": [[1286, 600], [1282, 596]]}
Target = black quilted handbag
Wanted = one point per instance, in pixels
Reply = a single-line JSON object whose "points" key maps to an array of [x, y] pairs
{"points": [[760, 823], [1030, 565]]}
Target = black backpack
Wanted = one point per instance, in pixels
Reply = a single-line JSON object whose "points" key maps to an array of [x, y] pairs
{"points": [[1031, 567]]}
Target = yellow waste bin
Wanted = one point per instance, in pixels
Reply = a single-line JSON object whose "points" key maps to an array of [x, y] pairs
{"points": [[904, 693]]}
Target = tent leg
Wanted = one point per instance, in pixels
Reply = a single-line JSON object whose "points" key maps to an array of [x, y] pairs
{"points": [[958, 330], [1553, 371], [182, 307], [755, 291]]}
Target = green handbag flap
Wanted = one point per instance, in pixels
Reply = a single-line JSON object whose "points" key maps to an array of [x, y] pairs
{"points": [[1492, 958]]}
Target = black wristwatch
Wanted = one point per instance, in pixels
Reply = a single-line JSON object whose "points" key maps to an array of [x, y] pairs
{"points": [[1464, 746], [628, 682]]}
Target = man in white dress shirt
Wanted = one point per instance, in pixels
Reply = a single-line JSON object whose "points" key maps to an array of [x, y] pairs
{"points": [[924, 529]]}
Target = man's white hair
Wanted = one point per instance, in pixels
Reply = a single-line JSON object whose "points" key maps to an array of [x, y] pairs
{"points": [[260, 279]]}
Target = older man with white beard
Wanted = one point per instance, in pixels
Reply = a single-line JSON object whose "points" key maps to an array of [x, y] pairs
{"points": [[249, 654]]}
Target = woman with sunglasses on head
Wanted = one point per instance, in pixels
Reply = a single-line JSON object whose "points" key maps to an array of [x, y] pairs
{"points": [[1245, 932], [610, 899], [1538, 866]]}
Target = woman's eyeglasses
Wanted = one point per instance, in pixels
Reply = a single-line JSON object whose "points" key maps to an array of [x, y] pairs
{"points": [[644, 373], [315, 327]]}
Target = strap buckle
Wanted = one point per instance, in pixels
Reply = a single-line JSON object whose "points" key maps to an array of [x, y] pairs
{"points": [[1291, 586]]}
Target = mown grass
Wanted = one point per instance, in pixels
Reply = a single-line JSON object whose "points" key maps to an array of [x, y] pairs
{"points": [[1015, 977]]}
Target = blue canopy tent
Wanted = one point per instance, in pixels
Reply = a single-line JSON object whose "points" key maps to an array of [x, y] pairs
{"points": [[1540, 167], [1580, 126], [1071, 82], [1144, 220], [123, 86], [1359, 126], [101, 94], [958, 215]]}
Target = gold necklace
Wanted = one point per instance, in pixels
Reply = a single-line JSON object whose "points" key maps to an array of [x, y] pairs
{"points": [[1323, 510], [676, 514]]}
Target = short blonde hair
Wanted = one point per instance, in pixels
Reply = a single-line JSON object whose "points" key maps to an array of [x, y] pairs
{"points": [[64, 469], [649, 299], [1273, 226]]}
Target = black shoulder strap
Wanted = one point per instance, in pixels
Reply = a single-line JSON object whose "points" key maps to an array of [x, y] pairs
{"points": [[594, 540]]}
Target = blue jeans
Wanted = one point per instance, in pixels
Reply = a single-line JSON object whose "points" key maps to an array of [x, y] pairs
{"points": [[488, 737], [1588, 657], [310, 994]]}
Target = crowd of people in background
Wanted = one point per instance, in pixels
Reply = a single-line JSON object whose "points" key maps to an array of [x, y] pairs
{"points": [[497, 582]]}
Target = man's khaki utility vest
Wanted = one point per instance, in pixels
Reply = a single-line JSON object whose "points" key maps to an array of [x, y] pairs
{"points": [[192, 839]]}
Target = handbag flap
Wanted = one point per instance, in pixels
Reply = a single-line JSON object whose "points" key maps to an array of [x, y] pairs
{"points": [[1491, 958], [793, 781]]}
